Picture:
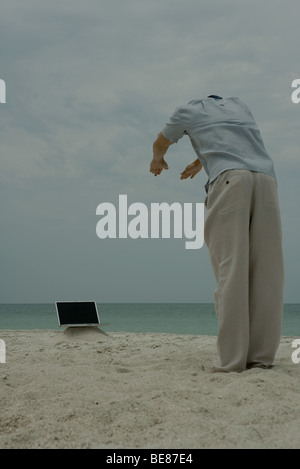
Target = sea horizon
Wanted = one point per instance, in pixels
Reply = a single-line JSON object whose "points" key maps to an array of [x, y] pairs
{"points": [[175, 318]]}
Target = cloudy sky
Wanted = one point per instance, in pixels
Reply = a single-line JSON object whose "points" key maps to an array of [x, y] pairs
{"points": [[88, 87]]}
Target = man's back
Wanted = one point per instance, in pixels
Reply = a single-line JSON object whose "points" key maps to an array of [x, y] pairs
{"points": [[223, 133]]}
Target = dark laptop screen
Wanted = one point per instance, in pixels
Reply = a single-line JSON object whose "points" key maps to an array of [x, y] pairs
{"points": [[77, 312]]}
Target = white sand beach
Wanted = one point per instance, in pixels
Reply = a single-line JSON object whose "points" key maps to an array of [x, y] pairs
{"points": [[91, 389]]}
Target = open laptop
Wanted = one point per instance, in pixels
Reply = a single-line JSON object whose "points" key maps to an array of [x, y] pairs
{"points": [[77, 313]]}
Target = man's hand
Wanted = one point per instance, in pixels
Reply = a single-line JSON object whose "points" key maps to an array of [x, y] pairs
{"points": [[191, 170], [156, 167], [160, 147]]}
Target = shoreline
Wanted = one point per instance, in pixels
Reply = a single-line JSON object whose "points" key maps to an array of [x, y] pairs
{"points": [[97, 389]]}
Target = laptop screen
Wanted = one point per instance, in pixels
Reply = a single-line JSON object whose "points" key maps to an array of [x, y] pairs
{"points": [[77, 313]]}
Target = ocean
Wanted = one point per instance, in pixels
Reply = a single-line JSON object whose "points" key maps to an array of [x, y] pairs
{"points": [[173, 318]]}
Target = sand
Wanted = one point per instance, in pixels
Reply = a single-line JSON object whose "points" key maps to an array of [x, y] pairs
{"points": [[91, 389]]}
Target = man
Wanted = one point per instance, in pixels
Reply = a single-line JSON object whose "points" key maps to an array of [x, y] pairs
{"points": [[242, 226]]}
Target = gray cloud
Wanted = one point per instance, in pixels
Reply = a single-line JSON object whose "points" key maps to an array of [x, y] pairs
{"points": [[89, 85]]}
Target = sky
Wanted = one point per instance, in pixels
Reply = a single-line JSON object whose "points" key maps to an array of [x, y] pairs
{"points": [[89, 85]]}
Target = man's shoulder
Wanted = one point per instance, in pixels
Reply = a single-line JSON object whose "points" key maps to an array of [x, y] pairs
{"points": [[189, 108]]}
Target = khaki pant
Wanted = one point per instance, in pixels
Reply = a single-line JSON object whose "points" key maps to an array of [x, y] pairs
{"points": [[243, 236]]}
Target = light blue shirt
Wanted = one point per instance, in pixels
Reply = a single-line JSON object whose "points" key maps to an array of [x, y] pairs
{"points": [[224, 136]]}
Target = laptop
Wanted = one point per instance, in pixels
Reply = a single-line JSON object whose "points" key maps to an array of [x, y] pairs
{"points": [[77, 313]]}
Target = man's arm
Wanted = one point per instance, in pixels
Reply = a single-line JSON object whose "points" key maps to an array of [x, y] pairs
{"points": [[160, 147]]}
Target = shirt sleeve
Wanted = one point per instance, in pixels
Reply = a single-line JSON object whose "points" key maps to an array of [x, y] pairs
{"points": [[176, 128]]}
